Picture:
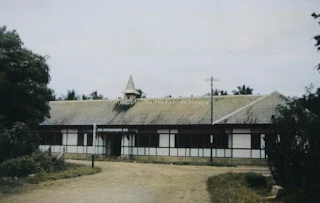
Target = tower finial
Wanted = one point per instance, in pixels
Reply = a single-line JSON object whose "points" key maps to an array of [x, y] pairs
{"points": [[130, 92]]}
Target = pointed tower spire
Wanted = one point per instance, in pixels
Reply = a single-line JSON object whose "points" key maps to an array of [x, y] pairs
{"points": [[130, 92]]}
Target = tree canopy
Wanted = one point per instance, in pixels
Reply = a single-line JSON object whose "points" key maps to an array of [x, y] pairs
{"points": [[24, 77], [95, 96], [142, 94], [317, 38], [71, 95], [243, 90]]}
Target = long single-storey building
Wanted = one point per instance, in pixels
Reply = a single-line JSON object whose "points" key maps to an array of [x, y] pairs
{"points": [[178, 127]]}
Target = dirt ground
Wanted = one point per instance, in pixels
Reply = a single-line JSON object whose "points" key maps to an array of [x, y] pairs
{"points": [[130, 182]]}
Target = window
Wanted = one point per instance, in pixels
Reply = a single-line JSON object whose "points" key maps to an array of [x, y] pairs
{"points": [[142, 140], [58, 139], [206, 141], [80, 139], [154, 140], [196, 140], [182, 140], [89, 139], [255, 141], [51, 138], [220, 141], [42, 138]]}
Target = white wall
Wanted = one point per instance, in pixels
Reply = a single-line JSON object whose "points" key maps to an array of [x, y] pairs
{"points": [[241, 141]]}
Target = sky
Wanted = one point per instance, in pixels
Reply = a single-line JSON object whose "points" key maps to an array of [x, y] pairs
{"points": [[170, 46]]}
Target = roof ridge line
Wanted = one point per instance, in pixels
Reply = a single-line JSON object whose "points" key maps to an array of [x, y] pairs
{"points": [[240, 109]]}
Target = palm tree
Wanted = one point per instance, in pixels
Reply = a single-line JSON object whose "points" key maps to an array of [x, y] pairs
{"points": [[243, 90], [95, 96], [71, 95]]}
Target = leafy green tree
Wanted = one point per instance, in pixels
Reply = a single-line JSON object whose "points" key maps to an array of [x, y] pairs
{"points": [[85, 97], [317, 38], [18, 140], [25, 96], [216, 92], [95, 96], [24, 78], [71, 95], [142, 94], [243, 90], [293, 144]]}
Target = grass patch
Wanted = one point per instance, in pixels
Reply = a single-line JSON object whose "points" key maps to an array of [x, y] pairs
{"points": [[13, 185], [188, 163], [73, 171], [238, 187]]}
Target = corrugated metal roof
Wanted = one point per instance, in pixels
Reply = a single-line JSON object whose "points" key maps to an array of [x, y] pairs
{"points": [[233, 109]]}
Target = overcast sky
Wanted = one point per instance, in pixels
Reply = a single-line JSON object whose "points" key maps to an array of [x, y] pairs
{"points": [[170, 46]]}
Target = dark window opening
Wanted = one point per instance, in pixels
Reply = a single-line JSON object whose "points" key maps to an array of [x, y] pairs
{"points": [[89, 139], [142, 140], [51, 138], [255, 141], [220, 141], [42, 139], [182, 140], [196, 141], [154, 140], [58, 139], [80, 141]]}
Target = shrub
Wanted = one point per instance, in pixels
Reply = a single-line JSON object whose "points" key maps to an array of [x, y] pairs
{"points": [[18, 141], [255, 180], [26, 165], [19, 167]]}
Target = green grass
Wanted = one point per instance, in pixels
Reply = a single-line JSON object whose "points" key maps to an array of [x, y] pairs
{"points": [[238, 187], [73, 170], [188, 163], [247, 188]]}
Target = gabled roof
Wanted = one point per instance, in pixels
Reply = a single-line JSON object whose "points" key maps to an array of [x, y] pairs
{"points": [[233, 109], [130, 89]]}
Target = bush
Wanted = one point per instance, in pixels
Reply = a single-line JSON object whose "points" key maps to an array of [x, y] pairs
{"points": [[293, 145], [255, 180], [17, 141], [19, 167], [26, 165]]}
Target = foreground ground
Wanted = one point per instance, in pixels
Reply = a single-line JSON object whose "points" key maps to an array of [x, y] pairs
{"points": [[130, 182]]}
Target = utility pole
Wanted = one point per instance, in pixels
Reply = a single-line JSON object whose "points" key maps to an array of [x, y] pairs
{"points": [[93, 143], [211, 80]]}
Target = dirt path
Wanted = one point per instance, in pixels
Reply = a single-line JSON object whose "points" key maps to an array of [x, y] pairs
{"points": [[130, 182]]}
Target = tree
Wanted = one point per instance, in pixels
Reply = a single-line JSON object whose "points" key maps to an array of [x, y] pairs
{"points": [[24, 78], [293, 144], [84, 97], [142, 94], [95, 96], [71, 95], [317, 38], [243, 90], [25, 96], [216, 92]]}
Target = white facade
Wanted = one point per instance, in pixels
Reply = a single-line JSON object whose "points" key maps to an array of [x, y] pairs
{"points": [[239, 145]]}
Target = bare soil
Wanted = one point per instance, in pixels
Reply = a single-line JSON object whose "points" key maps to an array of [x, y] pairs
{"points": [[130, 182]]}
